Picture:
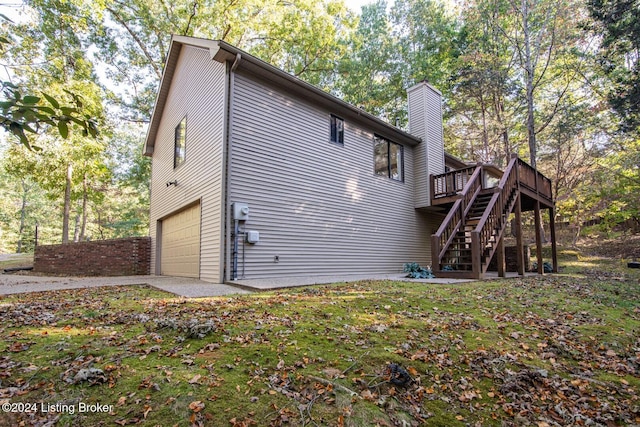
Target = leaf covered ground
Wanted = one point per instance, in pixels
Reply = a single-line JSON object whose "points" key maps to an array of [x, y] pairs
{"points": [[557, 350]]}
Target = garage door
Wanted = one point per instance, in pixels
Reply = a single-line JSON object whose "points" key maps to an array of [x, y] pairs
{"points": [[180, 254]]}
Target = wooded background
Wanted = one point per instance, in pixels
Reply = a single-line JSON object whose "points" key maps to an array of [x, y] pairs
{"points": [[555, 81]]}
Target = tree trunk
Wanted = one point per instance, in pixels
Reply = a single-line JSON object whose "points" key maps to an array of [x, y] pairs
{"points": [[23, 215], [528, 73], [76, 229], [485, 134], [67, 204], [83, 228], [499, 112]]}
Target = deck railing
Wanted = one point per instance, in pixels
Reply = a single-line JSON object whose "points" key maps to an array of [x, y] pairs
{"points": [[450, 183], [532, 179]]}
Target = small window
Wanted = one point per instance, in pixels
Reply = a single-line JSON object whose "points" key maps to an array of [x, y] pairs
{"points": [[388, 159], [179, 154], [337, 130]]}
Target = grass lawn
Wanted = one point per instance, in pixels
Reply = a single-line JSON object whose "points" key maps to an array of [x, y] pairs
{"points": [[15, 260], [543, 351]]}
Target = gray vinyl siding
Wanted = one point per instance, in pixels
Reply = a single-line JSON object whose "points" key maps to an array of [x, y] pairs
{"points": [[425, 122], [433, 223], [318, 205], [197, 92]]}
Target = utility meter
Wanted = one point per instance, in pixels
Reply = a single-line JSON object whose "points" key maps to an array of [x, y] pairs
{"points": [[240, 211]]}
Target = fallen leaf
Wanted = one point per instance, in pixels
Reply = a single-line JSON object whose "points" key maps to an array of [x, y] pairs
{"points": [[196, 406], [332, 372], [367, 395]]}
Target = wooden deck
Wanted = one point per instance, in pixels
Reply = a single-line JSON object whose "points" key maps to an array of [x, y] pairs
{"points": [[479, 200], [446, 188]]}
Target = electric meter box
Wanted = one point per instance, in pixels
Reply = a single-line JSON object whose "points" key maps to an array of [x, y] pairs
{"points": [[240, 211], [253, 237]]}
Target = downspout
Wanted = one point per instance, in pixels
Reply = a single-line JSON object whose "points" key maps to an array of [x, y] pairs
{"points": [[227, 217], [236, 62]]}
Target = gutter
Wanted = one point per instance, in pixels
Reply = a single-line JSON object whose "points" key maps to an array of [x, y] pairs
{"points": [[243, 62], [257, 67]]}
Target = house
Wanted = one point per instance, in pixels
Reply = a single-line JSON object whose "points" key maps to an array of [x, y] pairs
{"points": [[257, 174]]}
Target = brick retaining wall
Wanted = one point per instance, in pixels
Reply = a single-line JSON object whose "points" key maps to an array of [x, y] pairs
{"points": [[117, 257]]}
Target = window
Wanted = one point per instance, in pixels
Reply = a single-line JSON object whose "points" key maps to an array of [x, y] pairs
{"points": [[389, 159], [337, 130], [179, 153]]}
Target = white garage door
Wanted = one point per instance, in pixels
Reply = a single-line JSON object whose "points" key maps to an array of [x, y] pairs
{"points": [[180, 254]]}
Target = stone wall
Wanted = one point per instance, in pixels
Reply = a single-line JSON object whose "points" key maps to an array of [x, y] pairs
{"points": [[117, 257]]}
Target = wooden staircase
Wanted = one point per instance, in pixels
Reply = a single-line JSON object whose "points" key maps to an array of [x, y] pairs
{"points": [[472, 231]]}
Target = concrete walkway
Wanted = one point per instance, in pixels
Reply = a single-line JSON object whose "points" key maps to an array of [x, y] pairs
{"points": [[193, 288], [292, 282]]}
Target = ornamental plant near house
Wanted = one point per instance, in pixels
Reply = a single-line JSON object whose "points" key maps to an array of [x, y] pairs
{"points": [[417, 272]]}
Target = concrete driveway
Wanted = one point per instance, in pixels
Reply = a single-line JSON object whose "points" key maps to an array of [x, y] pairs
{"points": [[190, 288]]}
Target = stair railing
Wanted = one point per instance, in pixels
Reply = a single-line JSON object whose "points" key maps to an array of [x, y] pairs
{"points": [[454, 220], [494, 218]]}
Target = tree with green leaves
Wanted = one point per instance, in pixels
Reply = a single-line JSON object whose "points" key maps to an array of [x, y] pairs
{"points": [[23, 114], [618, 185], [369, 75], [542, 35], [484, 104], [65, 161], [393, 49], [618, 23], [427, 35], [303, 37]]}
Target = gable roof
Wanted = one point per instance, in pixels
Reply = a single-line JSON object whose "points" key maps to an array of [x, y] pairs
{"points": [[224, 52]]}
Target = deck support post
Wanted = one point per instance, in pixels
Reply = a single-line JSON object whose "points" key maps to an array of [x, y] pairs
{"points": [[476, 265], [519, 240], [435, 253], [500, 257], [554, 249], [538, 224]]}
